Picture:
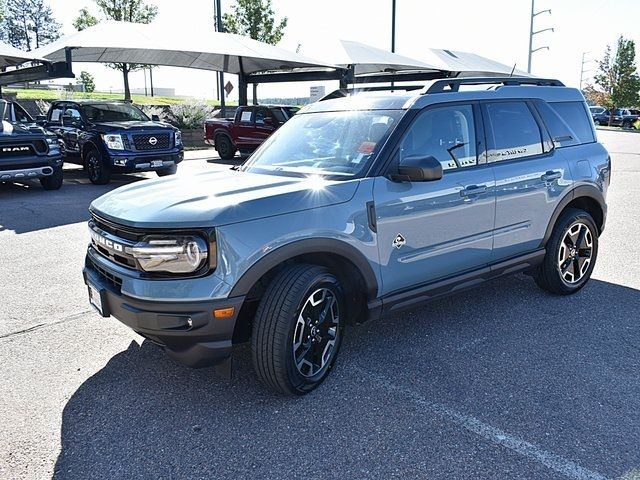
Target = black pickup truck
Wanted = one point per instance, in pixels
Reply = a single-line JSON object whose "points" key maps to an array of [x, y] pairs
{"points": [[108, 137], [27, 152]]}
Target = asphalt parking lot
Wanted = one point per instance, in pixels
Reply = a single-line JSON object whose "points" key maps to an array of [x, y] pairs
{"points": [[499, 382]]}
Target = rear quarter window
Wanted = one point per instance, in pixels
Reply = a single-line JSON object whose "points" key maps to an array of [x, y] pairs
{"points": [[577, 118]]}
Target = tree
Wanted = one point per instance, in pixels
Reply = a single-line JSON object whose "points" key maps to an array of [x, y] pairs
{"points": [[618, 77], [255, 19], [87, 81], [136, 11], [29, 24]]}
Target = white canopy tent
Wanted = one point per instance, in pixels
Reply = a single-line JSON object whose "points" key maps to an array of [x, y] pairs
{"points": [[124, 42], [12, 57]]}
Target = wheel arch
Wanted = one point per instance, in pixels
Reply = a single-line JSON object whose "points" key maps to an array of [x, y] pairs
{"points": [[225, 132], [584, 197], [342, 259]]}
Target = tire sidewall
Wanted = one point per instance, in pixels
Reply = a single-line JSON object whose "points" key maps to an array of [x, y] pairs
{"points": [[298, 381], [224, 147]]}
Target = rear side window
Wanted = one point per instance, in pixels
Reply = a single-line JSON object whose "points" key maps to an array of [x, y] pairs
{"points": [[561, 133], [576, 117], [512, 131]]}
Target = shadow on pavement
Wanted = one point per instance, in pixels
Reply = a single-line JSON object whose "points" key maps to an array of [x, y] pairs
{"points": [[559, 372], [27, 207]]}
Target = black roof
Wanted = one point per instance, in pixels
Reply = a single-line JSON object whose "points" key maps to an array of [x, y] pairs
{"points": [[88, 101]]}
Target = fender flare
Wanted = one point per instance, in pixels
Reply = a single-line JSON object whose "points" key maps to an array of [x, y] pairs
{"points": [[582, 191], [225, 132], [302, 247]]}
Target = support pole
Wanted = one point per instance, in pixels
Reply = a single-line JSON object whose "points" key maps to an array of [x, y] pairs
{"points": [[151, 80], [219, 28], [242, 86]]}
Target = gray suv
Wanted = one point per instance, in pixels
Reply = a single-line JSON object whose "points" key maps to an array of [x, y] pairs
{"points": [[361, 205]]}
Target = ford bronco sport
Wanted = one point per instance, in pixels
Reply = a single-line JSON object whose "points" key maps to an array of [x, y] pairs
{"points": [[357, 207], [114, 137]]}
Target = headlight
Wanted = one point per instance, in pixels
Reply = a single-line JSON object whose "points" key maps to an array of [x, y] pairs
{"points": [[113, 141], [178, 138], [52, 140], [160, 253]]}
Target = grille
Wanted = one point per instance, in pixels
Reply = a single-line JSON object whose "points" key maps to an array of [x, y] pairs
{"points": [[111, 279], [145, 141], [16, 150], [117, 230]]}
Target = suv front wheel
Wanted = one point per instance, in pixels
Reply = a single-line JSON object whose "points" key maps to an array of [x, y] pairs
{"points": [[571, 254], [298, 328]]}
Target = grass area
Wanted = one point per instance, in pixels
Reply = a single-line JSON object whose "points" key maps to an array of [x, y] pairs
{"points": [[37, 94]]}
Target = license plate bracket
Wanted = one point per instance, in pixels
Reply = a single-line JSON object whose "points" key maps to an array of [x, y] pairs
{"points": [[97, 300], [156, 163]]}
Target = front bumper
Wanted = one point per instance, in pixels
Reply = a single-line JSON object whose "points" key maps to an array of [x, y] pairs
{"points": [[31, 167], [187, 330], [137, 162]]}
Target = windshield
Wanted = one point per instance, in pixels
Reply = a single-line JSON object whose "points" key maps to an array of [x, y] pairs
{"points": [[340, 144], [114, 112]]}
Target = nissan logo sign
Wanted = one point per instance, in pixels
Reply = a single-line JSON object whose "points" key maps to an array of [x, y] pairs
{"points": [[153, 140]]}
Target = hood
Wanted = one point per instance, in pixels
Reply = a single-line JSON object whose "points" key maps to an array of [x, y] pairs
{"points": [[108, 127], [217, 198], [18, 130]]}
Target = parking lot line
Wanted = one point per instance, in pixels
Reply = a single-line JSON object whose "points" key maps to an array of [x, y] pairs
{"points": [[494, 435]]}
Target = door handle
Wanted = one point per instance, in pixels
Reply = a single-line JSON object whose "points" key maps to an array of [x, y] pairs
{"points": [[551, 175], [473, 190]]}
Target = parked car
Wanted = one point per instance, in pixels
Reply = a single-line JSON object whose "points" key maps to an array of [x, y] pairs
{"points": [[356, 208], [27, 152], [622, 117], [114, 137], [596, 110], [250, 126]]}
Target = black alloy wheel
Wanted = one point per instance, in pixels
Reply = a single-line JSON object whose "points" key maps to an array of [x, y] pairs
{"points": [[571, 253], [96, 169], [298, 328]]}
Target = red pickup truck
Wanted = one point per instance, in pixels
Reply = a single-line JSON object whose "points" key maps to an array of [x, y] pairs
{"points": [[251, 126]]}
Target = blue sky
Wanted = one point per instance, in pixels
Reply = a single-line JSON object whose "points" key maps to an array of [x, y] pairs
{"points": [[493, 28]]}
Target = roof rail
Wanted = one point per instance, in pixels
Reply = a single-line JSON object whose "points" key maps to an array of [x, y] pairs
{"points": [[453, 84], [345, 92]]}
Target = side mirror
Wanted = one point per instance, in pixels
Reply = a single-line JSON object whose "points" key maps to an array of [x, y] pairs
{"points": [[155, 118], [418, 168], [41, 120]]}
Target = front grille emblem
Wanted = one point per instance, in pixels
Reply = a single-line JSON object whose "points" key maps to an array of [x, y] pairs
{"points": [[153, 140]]}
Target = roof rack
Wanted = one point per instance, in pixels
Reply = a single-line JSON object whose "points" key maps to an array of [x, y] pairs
{"points": [[453, 84], [344, 92]]}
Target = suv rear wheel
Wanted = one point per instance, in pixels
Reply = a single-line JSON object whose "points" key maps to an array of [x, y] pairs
{"points": [[98, 172], [53, 181], [298, 329], [571, 254], [225, 147]]}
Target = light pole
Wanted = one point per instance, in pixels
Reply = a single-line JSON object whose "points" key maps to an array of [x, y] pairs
{"points": [[532, 33], [393, 29], [219, 28], [582, 70]]}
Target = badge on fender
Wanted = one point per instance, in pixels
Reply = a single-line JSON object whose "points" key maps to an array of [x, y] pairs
{"points": [[399, 241]]}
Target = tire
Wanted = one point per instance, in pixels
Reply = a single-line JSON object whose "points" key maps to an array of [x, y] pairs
{"points": [[225, 147], [163, 172], [572, 226], [280, 335], [98, 171], [53, 181], [597, 122]]}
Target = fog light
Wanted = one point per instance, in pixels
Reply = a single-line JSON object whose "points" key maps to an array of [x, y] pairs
{"points": [[224, 312]]}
